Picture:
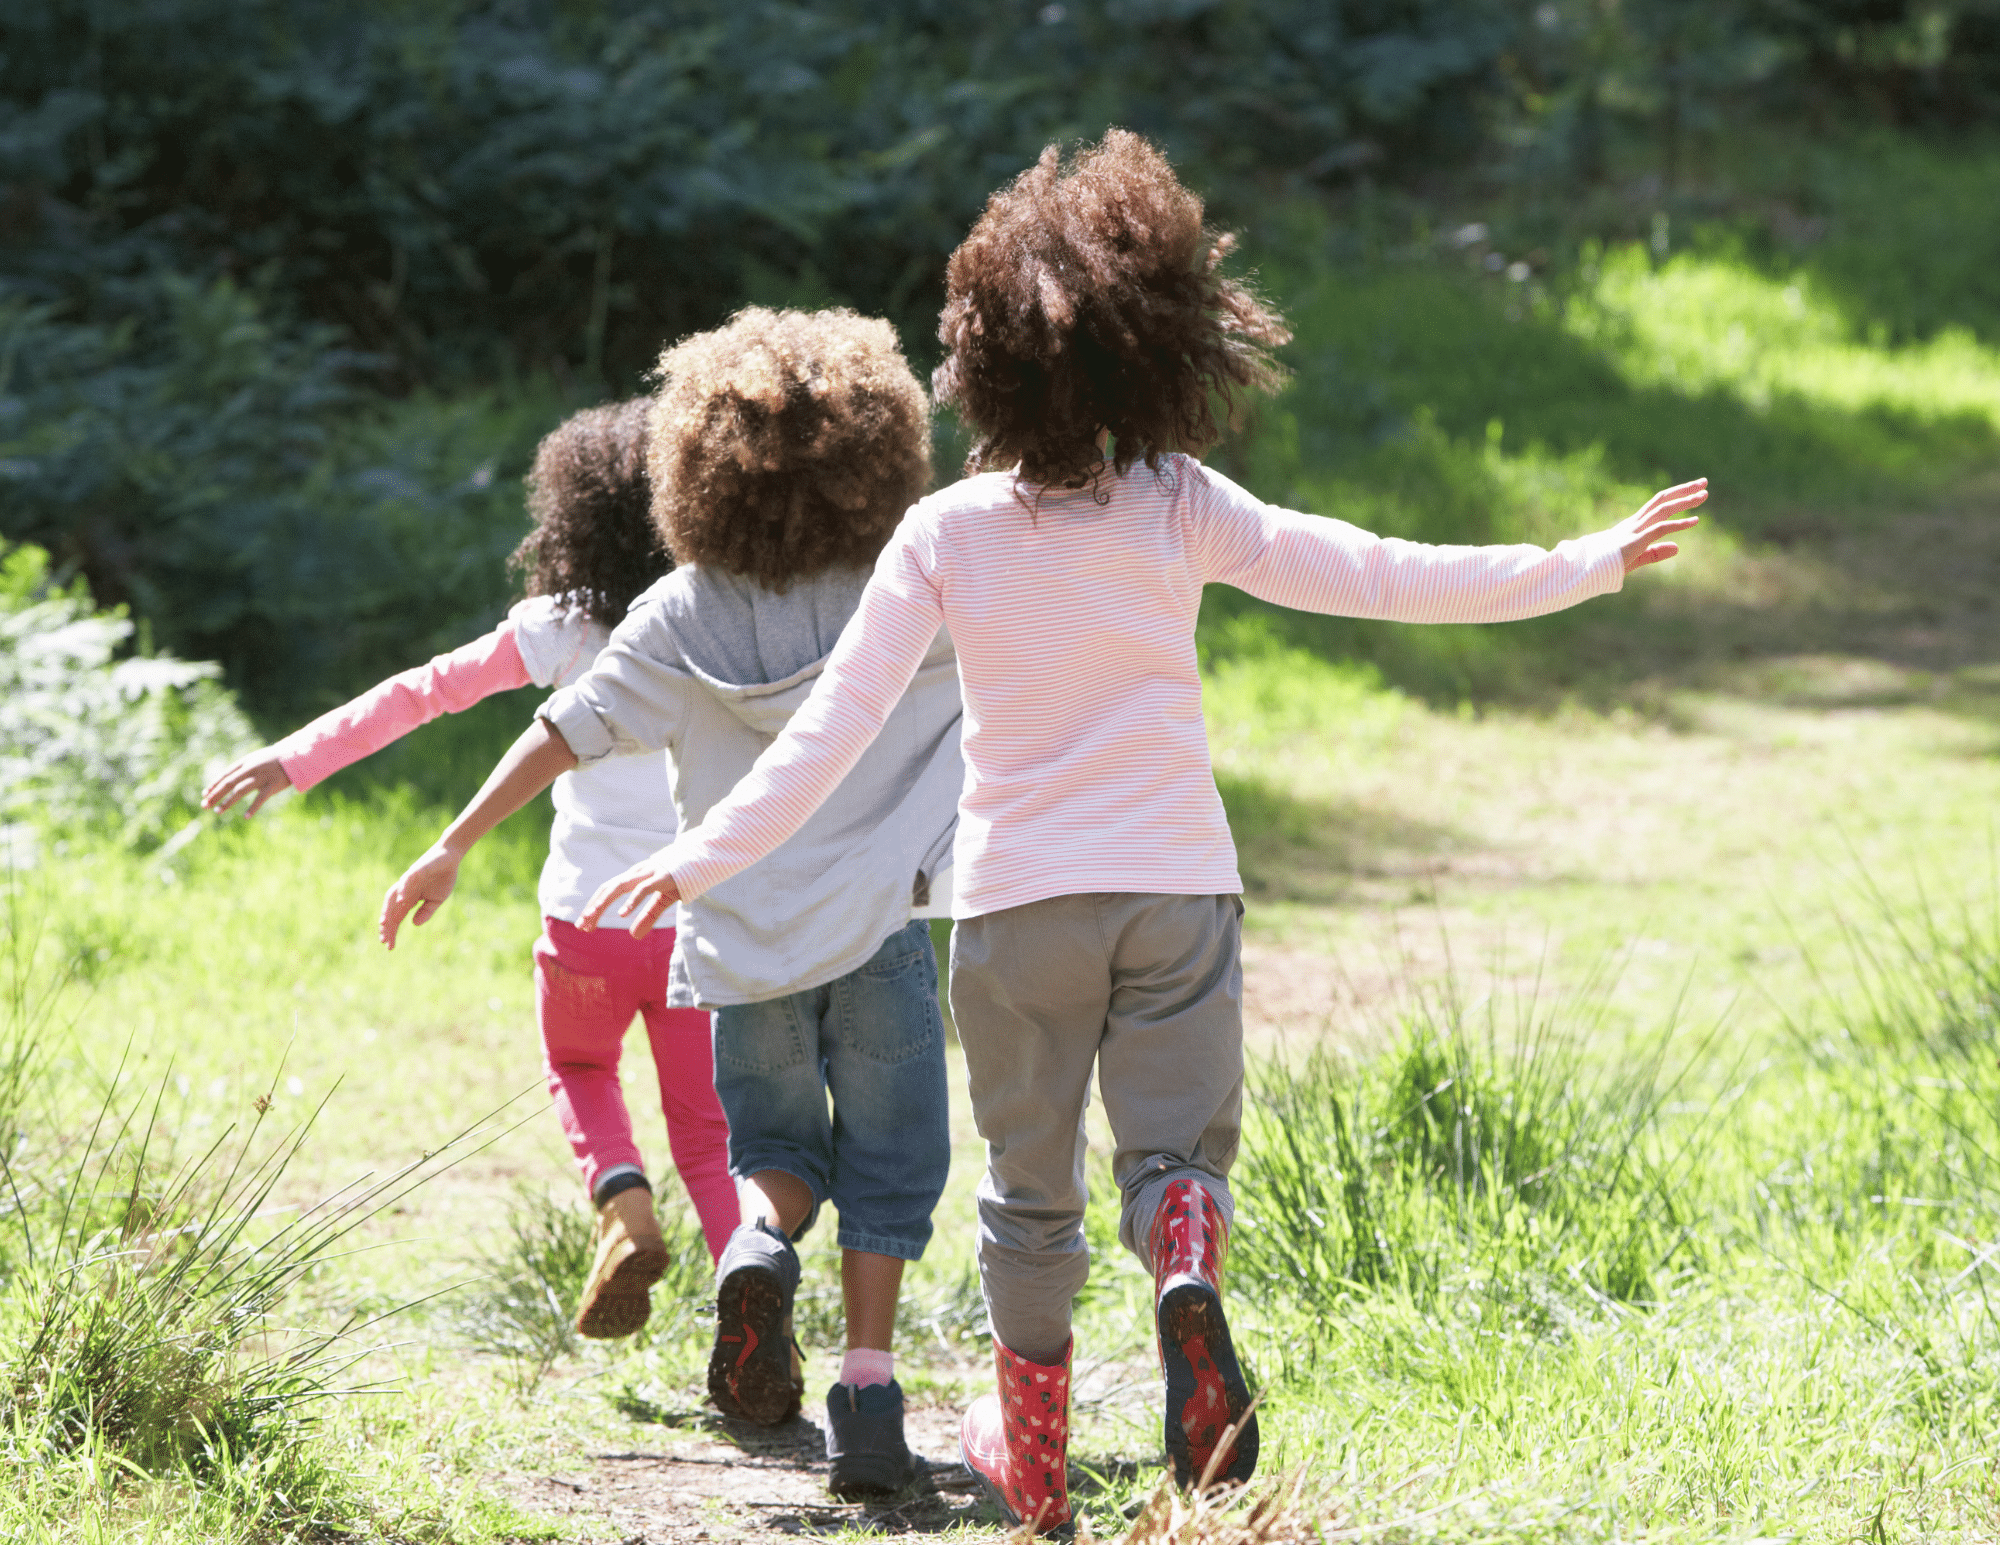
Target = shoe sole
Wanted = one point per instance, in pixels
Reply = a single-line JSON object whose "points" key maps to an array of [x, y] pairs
{"points": [[868, 1480], [1206, 1392], [624, 1298], [750, 1370]]}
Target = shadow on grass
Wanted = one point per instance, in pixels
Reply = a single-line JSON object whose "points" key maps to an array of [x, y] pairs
{"points": [[1378, 348], [1434, 405], [1318, 851]]}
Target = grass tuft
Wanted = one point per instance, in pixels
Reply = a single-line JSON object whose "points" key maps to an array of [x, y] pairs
{"points": [[523, 1308]]}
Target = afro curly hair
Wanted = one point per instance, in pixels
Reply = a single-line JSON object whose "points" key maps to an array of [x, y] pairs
{"points": [[1089, 297], [594, 543], [786, 443]]}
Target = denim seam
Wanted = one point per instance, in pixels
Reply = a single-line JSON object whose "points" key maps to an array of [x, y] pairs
{"points": [[875, 966]]}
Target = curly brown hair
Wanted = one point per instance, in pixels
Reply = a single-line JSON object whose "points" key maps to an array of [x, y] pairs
{"points": [[1090, 297], [594, 542], [786, 443]]}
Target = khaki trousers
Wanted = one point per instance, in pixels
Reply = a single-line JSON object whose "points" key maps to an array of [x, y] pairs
{"points": [[1148, 989]]}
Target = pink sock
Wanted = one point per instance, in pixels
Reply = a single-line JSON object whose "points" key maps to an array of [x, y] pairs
{"points": [[864, 1366]]}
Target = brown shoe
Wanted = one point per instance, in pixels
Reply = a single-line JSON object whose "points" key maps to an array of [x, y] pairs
{"points": [[630, 1257]]}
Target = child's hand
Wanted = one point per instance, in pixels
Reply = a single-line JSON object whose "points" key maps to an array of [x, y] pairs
{"points": [[425, 885], [653, 894], [1640, 534], [259, 773]]}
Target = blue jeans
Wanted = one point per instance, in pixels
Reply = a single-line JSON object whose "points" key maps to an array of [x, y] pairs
{"points": [[874, 1040]]}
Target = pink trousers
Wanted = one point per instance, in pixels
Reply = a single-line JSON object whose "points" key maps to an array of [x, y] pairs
{"points": [[588, 986]]}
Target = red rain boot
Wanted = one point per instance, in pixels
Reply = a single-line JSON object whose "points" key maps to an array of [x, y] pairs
{"points": [[1206, 1393], [1017, 1441]]}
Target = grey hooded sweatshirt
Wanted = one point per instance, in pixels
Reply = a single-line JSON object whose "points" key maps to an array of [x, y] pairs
{"points": [[711, 665]]}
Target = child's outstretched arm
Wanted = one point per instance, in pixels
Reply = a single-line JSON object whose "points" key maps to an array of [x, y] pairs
{"points": [[1324, 565], [384, 713], [531, 764]]}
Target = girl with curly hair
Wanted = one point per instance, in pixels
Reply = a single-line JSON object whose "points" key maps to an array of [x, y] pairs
{"points": [[786, 447], [592, 549], [1091, 339]]}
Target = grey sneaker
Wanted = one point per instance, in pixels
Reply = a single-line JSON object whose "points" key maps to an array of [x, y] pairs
{"points": [[755, 1371], [864, 1441]]}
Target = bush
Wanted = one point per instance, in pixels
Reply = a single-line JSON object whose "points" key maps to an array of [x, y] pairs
{"points": [[221, 477], [91, 740]]}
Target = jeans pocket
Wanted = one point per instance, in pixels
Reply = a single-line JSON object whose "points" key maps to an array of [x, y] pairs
{"points": [[887, 1011], [759, 1038]]}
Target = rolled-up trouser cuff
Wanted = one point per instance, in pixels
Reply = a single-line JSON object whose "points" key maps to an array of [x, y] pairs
{"points": [[880, 1244], [616, 1178]]}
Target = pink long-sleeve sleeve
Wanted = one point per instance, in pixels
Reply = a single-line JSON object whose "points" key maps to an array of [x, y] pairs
{"points": [[389, 710], [1318, 564]]}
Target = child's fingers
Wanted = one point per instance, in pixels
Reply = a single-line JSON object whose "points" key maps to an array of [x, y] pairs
{"points": [[640, 884], [648, 914], [426, 910], [222, 793], [1663, 508], [1695, 488], [392, 916], [1658, 554], [1682, 496], [606, 893]]}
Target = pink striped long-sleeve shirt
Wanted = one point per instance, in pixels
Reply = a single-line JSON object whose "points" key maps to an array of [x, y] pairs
{"points": [[1086, 755]]}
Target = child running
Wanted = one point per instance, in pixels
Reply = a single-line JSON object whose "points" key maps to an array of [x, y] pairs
{"points": [[786, 447], [592, 549], [1090, 338]]}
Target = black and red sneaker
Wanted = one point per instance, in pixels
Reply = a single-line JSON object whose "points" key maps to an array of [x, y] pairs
{"points": [[755, 1371], [1206, 1392]]}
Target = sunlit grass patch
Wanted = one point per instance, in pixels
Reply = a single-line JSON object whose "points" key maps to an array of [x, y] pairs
{"points": [[1702, 323], [1747, 1298]]}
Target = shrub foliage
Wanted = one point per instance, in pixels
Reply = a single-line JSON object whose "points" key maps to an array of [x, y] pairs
{"points": [[226, 228]]}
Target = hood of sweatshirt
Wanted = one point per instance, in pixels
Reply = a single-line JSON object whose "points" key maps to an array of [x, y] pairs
{"points": [[758, 651]]}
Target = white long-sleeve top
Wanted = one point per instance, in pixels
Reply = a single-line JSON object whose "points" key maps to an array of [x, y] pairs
{"points": [[609, 816], [1086, 755]]}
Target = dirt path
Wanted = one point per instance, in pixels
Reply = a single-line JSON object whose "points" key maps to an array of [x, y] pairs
{"points": [[692, 1475], [708, 1478]]}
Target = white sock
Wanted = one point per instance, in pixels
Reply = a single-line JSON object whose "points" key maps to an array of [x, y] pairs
{"points": [[864, 1366]]}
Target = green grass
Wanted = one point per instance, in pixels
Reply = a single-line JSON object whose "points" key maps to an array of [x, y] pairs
{"points": [[1621, 1158], [1757, 1303]]}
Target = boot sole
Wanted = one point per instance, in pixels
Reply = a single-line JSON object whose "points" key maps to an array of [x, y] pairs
{"points": [[1206, 1392], [750, 1370], [623, 1297]]}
